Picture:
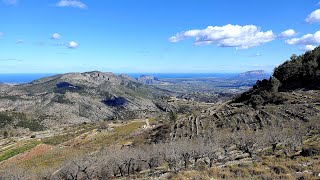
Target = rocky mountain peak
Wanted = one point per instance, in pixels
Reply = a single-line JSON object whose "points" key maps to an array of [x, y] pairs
{"points": [[253, 73], [148, 79]]}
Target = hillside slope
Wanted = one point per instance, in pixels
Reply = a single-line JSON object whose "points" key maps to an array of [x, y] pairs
{"points": [[81, 97], [290, 98]]}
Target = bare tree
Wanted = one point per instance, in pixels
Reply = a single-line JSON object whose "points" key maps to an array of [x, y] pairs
{"points": [[246, 142], [211, 148], [153, 157], [169, 152], [274, 137], [197, 149], [292, 142], [79, 169], [184, 149]]}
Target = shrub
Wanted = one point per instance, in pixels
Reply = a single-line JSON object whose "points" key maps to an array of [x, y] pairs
{"points": [[5, 134], [310, 151], [275, 84], [62, 99], [33, 125], [173, 116], [256, 100], [279, 169], [5, 119]]}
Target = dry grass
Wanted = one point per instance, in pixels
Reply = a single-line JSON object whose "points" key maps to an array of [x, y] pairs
{"points": [[69, 134], [82, 141], [269, 168]]}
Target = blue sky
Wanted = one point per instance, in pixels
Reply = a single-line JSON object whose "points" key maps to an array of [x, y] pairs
{"points": [[159, 36]]}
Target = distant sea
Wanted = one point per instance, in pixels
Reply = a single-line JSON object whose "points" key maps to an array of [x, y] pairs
{"points": [[26, 78], [21, 78]]}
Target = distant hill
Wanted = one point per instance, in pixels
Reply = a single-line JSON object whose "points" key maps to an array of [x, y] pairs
{"points": [[253, 75], [147, 79], [81, 97]]}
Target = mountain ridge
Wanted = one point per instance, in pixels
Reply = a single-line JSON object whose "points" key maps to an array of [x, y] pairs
{"points": [[79, 97]]}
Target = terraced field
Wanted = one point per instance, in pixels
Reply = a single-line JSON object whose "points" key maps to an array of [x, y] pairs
{"points": [[51, 151]]}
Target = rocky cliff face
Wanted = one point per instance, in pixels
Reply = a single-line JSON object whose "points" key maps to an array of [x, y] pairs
{"points": [[80, 97]]}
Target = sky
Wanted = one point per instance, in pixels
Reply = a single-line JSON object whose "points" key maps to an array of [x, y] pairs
{"points": [[158, 36]]}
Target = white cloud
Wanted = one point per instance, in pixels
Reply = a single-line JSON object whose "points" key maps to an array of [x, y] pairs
{"points": [[306, 39], [313, 17], [241, 37], [10, 2], [71, 3], [308, 48], [20, 41], [288, 33], [55, 36], [73, 45], [258, 54]]}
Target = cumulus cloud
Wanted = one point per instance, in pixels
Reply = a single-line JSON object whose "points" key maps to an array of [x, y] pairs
{"points": [[306, 39], [10, 2], [73, 45], [308, 48], [288, 33], [55, 36], [313, 17], [71, 3], [241, 37]]}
